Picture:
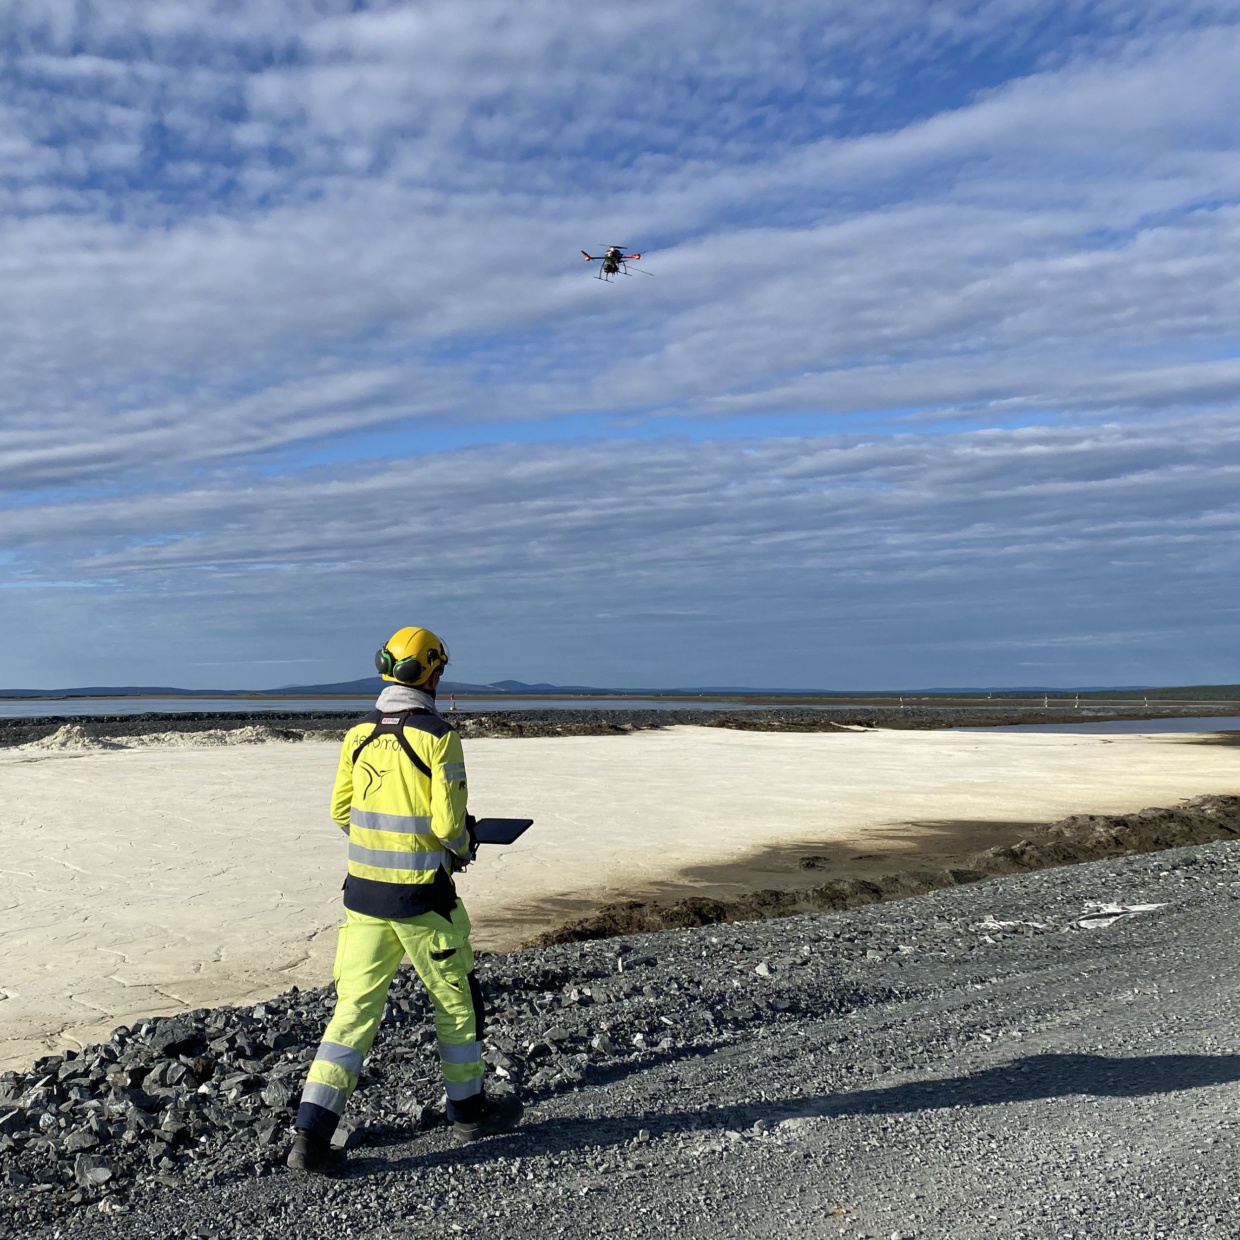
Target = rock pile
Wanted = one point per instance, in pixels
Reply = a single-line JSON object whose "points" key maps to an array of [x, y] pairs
{"points": [[189, 1099]]}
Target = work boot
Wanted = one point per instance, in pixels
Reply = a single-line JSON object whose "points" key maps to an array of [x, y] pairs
{"points": [[498, 1115], [311, 1152]]}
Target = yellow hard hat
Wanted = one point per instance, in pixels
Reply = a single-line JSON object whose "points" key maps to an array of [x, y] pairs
{"points": [[410, 656]]}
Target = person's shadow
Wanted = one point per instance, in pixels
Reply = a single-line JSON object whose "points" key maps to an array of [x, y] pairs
{"points": [[1021, 1080]]}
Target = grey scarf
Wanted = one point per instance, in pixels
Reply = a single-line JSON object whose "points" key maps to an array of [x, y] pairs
{"points": [[405, 697]]}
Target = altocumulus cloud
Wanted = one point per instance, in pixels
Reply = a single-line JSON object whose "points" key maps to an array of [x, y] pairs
{"points": [[1059, 551], [977, 261]]}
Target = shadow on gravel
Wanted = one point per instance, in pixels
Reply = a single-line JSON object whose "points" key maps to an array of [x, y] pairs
{"points": [[1022, 1080], [1035, 1077]]}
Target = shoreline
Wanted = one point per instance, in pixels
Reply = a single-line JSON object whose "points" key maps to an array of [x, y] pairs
{"points": [[517, 723]]}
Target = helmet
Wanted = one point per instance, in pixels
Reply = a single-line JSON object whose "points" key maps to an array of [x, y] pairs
{"points": [[411, 656]]}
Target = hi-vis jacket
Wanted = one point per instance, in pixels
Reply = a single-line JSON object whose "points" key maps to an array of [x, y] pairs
{"points": [[400, 794]]}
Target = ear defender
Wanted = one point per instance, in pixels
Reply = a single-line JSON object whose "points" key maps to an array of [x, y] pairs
{"points": [[408, 671], [383, 661]]}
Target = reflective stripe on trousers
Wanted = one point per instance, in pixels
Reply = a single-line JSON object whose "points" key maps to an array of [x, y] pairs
{"points": [[325, 1096]]}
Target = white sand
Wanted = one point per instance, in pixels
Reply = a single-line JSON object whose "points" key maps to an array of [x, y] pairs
{"points": [[138, 882]]}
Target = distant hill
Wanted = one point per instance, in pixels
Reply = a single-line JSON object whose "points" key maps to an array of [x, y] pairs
{"points": [[369, 686], [519, 686], [1187, 693], [116, 691]]}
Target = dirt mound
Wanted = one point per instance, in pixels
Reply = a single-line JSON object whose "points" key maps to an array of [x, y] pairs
{"points": [[76, 737], [71, 737], [254, 734], [1094, 837], [1083, 837]]}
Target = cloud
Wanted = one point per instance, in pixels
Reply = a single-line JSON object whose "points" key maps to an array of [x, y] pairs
{"points": [[314, 201], [238, 240], [844, 560]]}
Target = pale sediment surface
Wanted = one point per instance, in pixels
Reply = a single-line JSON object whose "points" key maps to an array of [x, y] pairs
{"points": [[147, 881]]}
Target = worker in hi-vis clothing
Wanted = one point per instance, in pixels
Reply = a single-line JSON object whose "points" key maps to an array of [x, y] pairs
{"points": [[400, 795]]}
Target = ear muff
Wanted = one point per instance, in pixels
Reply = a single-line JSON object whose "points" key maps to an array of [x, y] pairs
{"points": [[408, 671]]}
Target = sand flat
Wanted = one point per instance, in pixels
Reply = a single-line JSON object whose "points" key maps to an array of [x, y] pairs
{"points": [[146, 881]]}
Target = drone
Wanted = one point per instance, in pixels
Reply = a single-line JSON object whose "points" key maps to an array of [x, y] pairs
{"points": [[615, 262]]}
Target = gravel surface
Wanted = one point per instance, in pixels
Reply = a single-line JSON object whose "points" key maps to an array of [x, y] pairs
{"points": [[976, 1062], [331, 725]]}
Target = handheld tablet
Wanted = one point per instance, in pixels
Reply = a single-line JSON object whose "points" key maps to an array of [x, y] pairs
{"points": [[500, 830]]}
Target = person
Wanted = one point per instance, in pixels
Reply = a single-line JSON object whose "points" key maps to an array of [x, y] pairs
{"points": [[400, 795]]}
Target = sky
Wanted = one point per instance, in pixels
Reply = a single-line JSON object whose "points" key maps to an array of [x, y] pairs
{"points": [[934, 381]]}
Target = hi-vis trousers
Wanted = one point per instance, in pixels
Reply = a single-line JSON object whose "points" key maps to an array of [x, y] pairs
{"points": [[368, 953]]}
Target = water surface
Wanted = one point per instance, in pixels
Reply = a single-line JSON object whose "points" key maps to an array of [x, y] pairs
{"points": [[1202, 723]]}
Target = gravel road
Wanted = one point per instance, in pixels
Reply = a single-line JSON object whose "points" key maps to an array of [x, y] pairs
{"points": [[968, 1063]]}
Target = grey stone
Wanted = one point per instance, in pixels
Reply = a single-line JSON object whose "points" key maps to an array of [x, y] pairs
{"points": [[234, 1079], [166, 1074], [92, 1170], [626, 963], [123, 1100], [12, 1120], [140, 1121], [277, 1095]]}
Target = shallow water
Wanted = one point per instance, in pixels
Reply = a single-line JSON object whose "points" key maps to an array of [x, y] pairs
{"points": [[1203, 723]]}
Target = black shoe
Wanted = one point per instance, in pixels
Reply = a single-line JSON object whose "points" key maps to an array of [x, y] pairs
{"points": [[498, 1115], [315, 1153]]}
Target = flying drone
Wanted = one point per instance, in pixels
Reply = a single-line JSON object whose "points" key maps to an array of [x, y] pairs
{"points": [[615, 262]]}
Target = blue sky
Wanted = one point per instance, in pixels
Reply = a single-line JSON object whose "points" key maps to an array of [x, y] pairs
{"points": [[935, 381]]}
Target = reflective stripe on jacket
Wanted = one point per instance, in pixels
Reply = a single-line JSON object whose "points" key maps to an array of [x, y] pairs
{"points": [[403, 804]]}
